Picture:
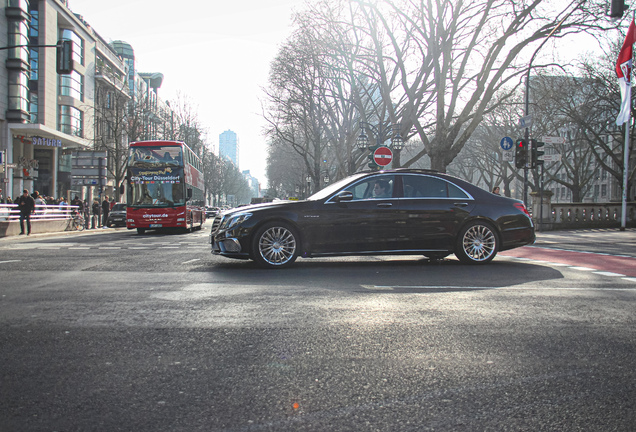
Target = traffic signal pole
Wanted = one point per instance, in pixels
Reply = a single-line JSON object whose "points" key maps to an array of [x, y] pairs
{"points": [[527, 107]]}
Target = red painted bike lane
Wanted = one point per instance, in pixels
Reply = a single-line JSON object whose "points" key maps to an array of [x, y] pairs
{"points": [[602, 262]]}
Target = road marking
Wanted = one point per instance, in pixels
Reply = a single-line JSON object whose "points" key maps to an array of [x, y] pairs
{"points": [[9, 261], [483, 288], [79, 248], [191, 261], [604, 273], [598, 272], [583, 252]]}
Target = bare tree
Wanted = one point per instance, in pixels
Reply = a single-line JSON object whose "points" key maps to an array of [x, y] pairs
{"points": [[432, 67], [111, 121]]}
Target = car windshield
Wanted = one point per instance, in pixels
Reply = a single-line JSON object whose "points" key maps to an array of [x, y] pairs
{"points": [[119, 207], [333, 188]]}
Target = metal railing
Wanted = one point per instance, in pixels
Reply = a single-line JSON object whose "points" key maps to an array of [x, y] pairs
{"points": [[10, 212], [590, 214]]}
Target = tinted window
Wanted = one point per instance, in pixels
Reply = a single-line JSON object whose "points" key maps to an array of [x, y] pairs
{"points": [[430, 187], [455, 192], [376, 187]]}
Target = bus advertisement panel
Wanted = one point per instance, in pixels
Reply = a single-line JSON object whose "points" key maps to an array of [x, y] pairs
{"points": [[165, 187]]}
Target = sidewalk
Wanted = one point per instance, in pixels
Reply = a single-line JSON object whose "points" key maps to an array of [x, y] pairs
{"points": [[35, 236]]}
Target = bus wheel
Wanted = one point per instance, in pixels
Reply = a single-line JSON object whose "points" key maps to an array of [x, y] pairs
{"points": [[141, 230]]}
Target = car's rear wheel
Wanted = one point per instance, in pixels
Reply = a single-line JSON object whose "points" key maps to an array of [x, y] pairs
{"points": [[275, 245], [477, 243]]}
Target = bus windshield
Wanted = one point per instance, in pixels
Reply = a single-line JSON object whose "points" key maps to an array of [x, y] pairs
{"points": [[156, 177], [159, 156]]}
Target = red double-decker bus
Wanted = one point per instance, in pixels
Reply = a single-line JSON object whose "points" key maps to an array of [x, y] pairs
{"points": [[165, 187]]}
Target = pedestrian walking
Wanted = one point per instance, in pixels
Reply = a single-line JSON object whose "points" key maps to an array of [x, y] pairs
{"points": [[26, 205], [87, 214], [95, 218], [105, 210]]}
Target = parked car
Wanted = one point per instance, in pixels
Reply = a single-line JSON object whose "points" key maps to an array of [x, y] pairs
{"points": [[210, 211], [401, 211], [117, 216]]}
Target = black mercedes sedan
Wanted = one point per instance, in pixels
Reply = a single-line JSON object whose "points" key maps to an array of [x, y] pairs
{"points": [[402, 211]]}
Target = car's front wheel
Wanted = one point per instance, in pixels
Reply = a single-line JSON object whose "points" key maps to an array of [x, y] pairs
{"points": [[477, 243], [275, 245]]}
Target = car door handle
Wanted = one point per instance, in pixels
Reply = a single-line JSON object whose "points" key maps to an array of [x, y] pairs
{"points": [[461, 204], [385, 205]]}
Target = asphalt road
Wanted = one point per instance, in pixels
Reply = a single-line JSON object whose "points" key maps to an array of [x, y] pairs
{"points": [[108, 330]]}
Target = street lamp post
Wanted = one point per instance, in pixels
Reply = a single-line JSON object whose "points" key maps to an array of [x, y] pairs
{"points": [[382, 133]]}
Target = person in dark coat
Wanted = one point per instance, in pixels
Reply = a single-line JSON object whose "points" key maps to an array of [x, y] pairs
{"points": [[87, 215], [105, 210], [26, 205], [95, 218]]}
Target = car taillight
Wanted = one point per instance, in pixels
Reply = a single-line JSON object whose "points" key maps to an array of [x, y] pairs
{"points": [[522, 207]]}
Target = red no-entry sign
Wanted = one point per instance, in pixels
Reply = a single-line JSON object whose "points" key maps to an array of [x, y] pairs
{"points": [[383, 156]]}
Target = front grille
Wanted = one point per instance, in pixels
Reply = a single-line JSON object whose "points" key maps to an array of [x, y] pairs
{"points": [[216, 223]]}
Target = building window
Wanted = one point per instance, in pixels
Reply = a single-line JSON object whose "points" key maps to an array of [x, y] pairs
{"points": [[71, 121], [603, 190], [18, 38], [72, 85], [34, 32], [18, 91], [33, 108], [78, 44]]}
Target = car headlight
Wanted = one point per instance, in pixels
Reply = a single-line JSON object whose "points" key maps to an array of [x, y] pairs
{"points": [[235, 220]]}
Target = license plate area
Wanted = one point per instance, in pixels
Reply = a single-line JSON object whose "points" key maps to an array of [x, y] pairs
{"points": [[156, 225]]}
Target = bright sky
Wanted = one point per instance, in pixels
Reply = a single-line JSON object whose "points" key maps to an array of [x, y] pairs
{"points": [[216, 53]]}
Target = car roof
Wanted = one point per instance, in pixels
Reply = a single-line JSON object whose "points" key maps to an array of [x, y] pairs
{"points": [[401, 171]]}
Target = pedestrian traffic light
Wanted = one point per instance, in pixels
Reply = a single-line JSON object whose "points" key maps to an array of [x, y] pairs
{"points": [[64, 57], [617, 7], [521, 154], [536, 153]]}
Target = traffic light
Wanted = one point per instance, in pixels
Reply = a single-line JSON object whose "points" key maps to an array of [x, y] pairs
{"points": [[617, 7], [535, 153], [521, 154], [64, 65]]}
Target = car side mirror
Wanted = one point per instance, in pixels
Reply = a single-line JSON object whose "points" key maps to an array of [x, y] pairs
{"points": [[344, 196]]}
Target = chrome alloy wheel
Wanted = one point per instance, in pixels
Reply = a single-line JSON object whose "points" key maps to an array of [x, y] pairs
{"points": [[277, 246], [479, 243]]}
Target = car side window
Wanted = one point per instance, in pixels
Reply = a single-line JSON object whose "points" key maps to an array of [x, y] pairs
{"points": [[418, 186], [377, 187], [455, 192]]}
